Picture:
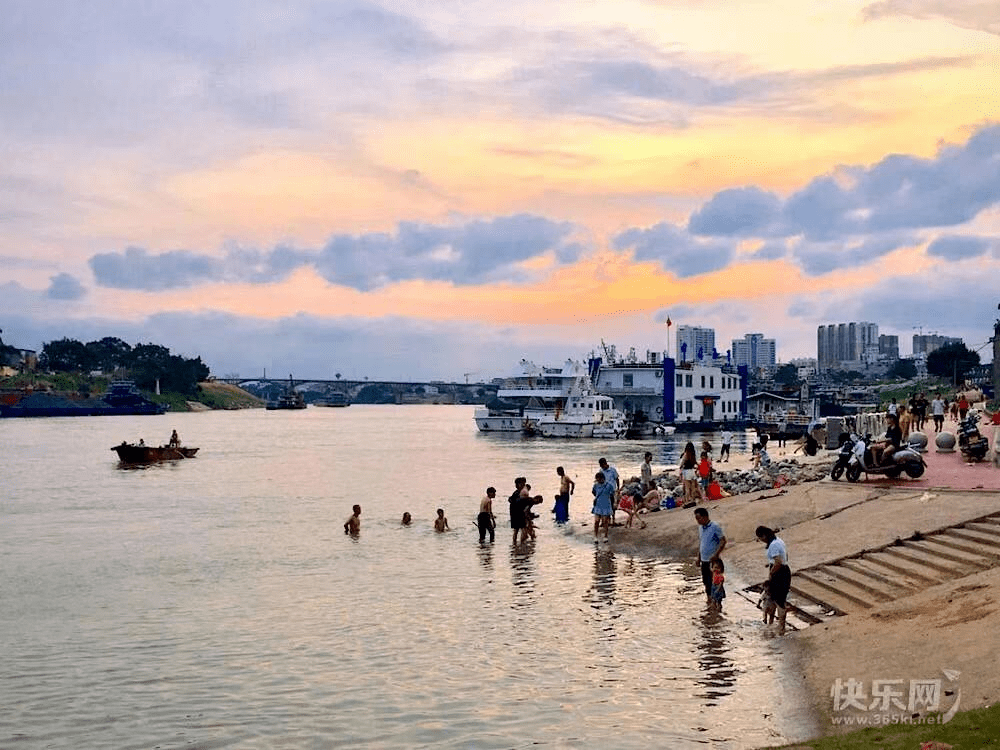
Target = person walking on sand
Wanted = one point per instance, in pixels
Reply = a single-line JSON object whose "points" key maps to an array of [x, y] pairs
{"points": [[604, 493], [711, 542], [647, 472], [486, 521], [441, 523], [566, 487], [727, 441], [937, 411], [352, 525], [779, 577]]}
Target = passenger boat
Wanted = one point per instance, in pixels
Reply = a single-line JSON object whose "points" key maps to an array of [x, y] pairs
{"points": [[587, 414], [334, 399], [529, 395], [139, 453]]}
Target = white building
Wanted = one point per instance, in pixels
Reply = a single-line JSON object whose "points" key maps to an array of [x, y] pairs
{"points": [[667, 391]]}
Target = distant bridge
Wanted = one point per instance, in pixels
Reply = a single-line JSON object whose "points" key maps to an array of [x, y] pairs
{"points": [[402, 390]]}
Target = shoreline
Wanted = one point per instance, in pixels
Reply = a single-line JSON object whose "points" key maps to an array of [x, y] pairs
{"points": [[919, 632]]}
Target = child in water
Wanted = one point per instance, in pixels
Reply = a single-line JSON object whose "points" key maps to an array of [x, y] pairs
{"points": [[718, 583], [353, 524], [441, 523], [767, 603]]}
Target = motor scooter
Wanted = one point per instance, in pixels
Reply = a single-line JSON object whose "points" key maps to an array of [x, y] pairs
{"points": [[903, 459], [844, 457], [973, 444]]}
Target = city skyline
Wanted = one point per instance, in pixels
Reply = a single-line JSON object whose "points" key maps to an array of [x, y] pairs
{"points": [[412, 191]]}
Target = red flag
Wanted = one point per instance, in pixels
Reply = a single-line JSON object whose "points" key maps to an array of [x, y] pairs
{"points": [[668, 322]]}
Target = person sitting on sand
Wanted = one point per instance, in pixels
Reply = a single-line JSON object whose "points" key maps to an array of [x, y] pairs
{"points": [[353, 524], [441, 523]]}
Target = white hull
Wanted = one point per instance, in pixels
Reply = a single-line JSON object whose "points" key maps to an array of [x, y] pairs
{"points": [[565, 429]]}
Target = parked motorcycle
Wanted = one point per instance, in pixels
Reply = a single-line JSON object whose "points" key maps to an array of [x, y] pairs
{"points": [[844, 457], [903, 459], [973, 444]]}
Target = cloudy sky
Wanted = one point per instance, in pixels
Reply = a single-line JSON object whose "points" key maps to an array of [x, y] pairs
{"points": [[423, 190]]}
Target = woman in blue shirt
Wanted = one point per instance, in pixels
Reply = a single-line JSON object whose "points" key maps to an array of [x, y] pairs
{"points": [[604, 493]]}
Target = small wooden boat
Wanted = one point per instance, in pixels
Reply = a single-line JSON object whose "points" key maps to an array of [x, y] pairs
{"points": [[137, 453]]}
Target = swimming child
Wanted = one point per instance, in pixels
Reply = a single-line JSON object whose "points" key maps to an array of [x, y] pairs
{"points": [[441, 523], [353, 524], [718, 583], [407, 519]]}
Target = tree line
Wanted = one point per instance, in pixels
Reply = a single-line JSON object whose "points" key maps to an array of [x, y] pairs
{"points": [[144, 364]]}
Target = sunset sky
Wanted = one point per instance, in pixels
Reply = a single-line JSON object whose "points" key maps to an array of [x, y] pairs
{"points": [[434, 190]]}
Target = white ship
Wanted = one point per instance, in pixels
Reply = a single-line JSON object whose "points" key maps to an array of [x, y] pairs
{"points": [[529, 395], [586, 414]]}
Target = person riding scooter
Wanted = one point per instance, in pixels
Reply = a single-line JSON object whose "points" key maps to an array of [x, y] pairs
{"points": [[882, 450]]}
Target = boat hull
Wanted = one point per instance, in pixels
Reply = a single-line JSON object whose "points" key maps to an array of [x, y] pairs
{"points": [[149, 454]]}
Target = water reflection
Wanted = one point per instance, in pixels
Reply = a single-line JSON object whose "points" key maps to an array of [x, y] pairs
{"points": [[718, 672], [522, 573]]}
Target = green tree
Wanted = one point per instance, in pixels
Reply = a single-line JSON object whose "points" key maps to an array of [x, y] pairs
{"points": [[65, 355], [787, 375], [952, 361], [109, 353], [903, 369]]}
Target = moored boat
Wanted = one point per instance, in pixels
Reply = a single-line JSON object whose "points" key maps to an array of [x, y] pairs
{"points": [[121, 398], [587, 414], [528, 396], [336, 399], [290, 399]]}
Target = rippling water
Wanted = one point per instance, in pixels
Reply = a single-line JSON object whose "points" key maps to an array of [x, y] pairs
{"points": [[217, 602]]}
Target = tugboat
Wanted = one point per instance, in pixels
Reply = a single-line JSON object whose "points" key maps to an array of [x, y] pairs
{"points": [[290, 399], [122, 398]]}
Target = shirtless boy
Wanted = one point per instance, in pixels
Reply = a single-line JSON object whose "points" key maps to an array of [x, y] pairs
{"points": [[441, 523], [353, 524], [486, 521]]}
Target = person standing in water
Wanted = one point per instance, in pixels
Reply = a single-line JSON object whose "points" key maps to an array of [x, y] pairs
{"points": [[566, 487], [604, 493], [486, 521], [352, 525]]}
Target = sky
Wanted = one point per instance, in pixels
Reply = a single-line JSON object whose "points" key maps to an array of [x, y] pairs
{"points": [[421, 190]]}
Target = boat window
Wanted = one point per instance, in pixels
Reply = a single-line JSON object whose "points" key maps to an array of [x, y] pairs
{"points": [[688, 380], [702, 381], [680, 380], [711, 381], [627, 380]]}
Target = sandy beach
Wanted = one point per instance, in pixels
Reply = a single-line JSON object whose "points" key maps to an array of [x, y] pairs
{"points": [[909, 628]]}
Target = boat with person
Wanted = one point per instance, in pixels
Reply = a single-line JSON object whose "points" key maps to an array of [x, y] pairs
{"points": [[140, 453]]}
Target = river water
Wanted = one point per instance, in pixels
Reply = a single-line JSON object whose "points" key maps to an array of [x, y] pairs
{"points": [[217, 602]]}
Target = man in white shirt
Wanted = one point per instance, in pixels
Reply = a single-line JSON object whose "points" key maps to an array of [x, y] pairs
{"points": [[727, 439]]}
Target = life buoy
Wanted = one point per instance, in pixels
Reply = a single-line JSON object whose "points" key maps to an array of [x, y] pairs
{"points": [[659, 411]]}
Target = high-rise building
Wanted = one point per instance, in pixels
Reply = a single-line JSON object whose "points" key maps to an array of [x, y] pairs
{"points": [[888, 347], [692, 340], [754, 351], [846, 342], [926, 343]]}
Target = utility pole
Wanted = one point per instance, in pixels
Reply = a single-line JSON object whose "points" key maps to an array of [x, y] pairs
{"points": [[996, 360]]}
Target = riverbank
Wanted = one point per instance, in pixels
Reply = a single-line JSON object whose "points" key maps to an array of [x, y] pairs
{"points": [[913, 630]]}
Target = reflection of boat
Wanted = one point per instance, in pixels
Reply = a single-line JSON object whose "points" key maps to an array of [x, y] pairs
{"points": [[137, 453], [290, 399], [587, 414], [335, 399], [529, 395], [122, 398]]}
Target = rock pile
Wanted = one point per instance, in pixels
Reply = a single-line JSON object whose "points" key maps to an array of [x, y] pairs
{"points": [[740, 481]]}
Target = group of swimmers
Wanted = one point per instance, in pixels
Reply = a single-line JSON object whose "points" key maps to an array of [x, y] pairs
{"points": [[352, 525]]}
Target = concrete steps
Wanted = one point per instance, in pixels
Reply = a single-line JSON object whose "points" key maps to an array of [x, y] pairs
{"points": [[875, 576]]}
